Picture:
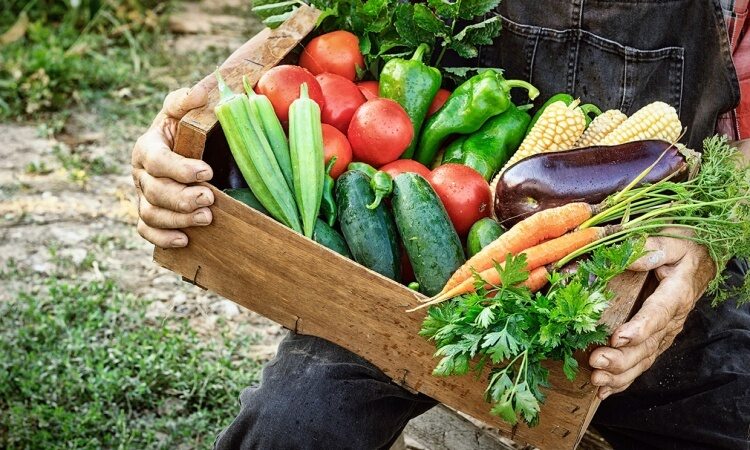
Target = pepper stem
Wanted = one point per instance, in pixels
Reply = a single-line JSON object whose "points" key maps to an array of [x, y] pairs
{"points": [[510, 84], [331, 162], [590, 109], [248, 89], [419, 53], [225, 92], [303, 91]]}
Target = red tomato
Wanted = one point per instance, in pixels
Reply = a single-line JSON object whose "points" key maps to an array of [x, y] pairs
{"points": [[281, 86], [342, 98], [336, 52], [379, 132], [335, 144], [370, 89], [464, 193], [400, 166], [438, 102]]}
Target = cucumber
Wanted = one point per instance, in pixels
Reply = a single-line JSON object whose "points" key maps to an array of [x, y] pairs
{"points": [[326, 236], [370, 233], [246, 196], [430, 240], [323, 234], [482, 233]]}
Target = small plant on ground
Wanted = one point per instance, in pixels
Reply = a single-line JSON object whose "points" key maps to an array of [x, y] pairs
{"points": [[83, 367]]}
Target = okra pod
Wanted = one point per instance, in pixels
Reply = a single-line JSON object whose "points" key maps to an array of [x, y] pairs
{"points": [[306, 151], [273, 130], [253, 155]]}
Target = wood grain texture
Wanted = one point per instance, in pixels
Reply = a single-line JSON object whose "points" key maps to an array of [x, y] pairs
{"points": [[267, 48], [324, 294]]}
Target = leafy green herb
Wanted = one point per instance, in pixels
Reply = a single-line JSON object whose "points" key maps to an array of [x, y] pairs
{"points": [[513, 330], [391, 28], [714, 207]]}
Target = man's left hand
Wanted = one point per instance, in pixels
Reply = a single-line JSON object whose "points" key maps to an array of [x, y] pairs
{"points": [[684, 269]]}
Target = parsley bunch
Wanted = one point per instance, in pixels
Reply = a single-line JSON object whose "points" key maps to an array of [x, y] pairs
{"points": [[514, 331], [393, 28]]}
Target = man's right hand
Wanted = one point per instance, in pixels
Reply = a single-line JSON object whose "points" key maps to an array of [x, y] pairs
{"points": [[166, 201]]}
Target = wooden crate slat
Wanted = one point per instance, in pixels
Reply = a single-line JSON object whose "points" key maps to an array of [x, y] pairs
{"points": [[267, 268], [267, 48]]}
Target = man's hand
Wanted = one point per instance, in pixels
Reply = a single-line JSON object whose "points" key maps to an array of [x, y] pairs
{"points": [[165, 200], [684, 269]]}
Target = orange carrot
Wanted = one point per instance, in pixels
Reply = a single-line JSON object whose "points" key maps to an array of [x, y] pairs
{"points": [[532, 231], [537, 256], [537, 279]]}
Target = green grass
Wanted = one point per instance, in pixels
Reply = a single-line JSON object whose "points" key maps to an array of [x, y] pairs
{"points": [[74, 52], [83, 368]]}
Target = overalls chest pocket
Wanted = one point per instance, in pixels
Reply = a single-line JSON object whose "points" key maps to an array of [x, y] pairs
{"points": [[591, 67]]}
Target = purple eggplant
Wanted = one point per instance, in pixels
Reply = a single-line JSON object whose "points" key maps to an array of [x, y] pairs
{"points": [[589, 174]]}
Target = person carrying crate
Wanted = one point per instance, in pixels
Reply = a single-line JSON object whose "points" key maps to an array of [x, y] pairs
{"points": [[677, 375]]}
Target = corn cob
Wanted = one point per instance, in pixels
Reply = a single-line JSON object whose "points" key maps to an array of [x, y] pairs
{"points": [[557, 129], [656, 120], [262, 107], [306, 151], [253, 155], [600, 127]]}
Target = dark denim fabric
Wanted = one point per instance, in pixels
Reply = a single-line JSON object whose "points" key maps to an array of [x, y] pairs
{"points": [[623, 54], [317, 395], [617, 54]]}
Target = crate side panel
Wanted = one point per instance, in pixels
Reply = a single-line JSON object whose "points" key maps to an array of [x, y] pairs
{"points": [[258, 263], [268, 48]]}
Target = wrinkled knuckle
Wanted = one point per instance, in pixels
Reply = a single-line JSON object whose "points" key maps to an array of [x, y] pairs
{"points": [[600, 378], [138, 147], [650, 345], [148, 213], [184, 204], [663, 314], [617, 366], [142, 229]]}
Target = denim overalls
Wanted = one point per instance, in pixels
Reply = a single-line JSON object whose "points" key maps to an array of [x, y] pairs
{"points": [[623, 55], [617, 54]]}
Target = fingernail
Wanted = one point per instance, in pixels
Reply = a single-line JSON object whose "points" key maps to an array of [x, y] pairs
{"points": [[601, 362], [179, 242], [201, 218], [202, 200], [203, 175], [622, 341], [604, 393]]}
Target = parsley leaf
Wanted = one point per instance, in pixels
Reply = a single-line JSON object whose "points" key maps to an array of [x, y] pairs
{"points": [[514, 331], [473, 8], [393, 28]]}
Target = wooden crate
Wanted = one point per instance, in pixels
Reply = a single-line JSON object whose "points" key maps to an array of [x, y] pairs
{"points": [[323, 294]]}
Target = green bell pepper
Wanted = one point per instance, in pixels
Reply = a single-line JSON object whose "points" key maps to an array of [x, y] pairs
{"points": [[328, 201], [589, 109], [490, 147], [413, 85], [467, 109]]}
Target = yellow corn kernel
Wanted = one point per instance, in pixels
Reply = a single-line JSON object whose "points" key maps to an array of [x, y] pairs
{"points": [[601, 126], [558, 128], [656, 120]]}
